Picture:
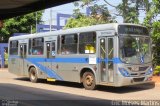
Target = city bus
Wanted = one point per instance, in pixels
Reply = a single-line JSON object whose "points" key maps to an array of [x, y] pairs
{"points": [[107, 54]]}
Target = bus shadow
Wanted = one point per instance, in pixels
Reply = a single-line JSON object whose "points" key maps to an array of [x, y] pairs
{"points": [[22, 79], [67, 84], [125, 89], [57, 83]]}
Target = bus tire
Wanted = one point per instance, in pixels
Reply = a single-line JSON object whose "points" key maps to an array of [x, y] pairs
{"points": [[33, 75], [89, 82]]}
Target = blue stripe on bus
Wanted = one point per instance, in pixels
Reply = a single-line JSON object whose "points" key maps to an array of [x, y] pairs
{"points": [[73, 60], [117, 60], [61, 60], [51, 73], [114, 60], [68, 60]]}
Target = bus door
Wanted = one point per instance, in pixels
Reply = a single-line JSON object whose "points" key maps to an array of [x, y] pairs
{"points": [[50, 54], [106, 59], [23, 55]]}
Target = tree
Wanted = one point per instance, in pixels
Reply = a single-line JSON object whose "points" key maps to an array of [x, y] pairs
{"points": [[19, 24], [99, 15], [152, 13], [155, 27], [156, 42], [129, 9]]}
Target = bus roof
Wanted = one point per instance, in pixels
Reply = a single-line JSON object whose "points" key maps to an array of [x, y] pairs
{"points": [[99, 27]]}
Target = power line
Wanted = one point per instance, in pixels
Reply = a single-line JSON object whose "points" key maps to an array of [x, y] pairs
{"points": [[110, 4]]}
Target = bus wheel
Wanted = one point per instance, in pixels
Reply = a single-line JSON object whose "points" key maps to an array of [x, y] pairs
{"points": [[33, 75], [89, 81]]}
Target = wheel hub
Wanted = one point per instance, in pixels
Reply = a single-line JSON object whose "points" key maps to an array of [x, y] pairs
{"points": [[32, 75], [89, 80]]}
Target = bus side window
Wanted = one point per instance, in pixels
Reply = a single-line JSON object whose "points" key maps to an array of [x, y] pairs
{"points": [[29, 47], [37, 46], [87, 43], [69, 44]]}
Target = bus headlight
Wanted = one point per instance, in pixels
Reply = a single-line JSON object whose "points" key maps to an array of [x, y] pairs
{"points": [[150, 71], [124, 72]]}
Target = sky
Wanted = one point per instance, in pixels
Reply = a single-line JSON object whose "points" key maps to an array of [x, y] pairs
{"points": [[68, 9]]}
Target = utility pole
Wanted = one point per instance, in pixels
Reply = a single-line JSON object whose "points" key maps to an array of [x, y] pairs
{"points": [[31, 29], [50, 19], [125, 8], [36, 22]]}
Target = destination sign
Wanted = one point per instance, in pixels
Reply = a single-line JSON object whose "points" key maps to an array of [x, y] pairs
{"points": [[130, 29]]}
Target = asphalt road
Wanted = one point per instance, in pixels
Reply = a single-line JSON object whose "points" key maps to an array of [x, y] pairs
{"points": [[27, 96], [19, 91]]}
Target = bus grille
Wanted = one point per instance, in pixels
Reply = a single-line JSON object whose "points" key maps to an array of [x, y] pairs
{"points": [[143, 68], [138, 68], [138, 79]]}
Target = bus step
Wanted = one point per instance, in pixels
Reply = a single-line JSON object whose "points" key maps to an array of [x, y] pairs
{"points": [[51, 79]]}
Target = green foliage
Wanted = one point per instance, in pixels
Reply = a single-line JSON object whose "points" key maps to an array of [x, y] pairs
{"points": [[150, 16], [154, 26], [80, 22], [129, 15], [125, 11], [20, 24], [99, 15], [157, 70], [156, 31], [156, 42], [152, 13], [6, 58], [129, 9]]}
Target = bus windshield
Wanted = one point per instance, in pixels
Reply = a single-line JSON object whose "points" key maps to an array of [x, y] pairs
{"points": [[135, 49]]}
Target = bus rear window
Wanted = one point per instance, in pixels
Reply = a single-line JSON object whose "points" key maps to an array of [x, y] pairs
{"points": [[13, 47]]}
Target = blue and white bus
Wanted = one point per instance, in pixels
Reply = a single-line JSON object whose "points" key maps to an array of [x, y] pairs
{"points": [[108, 54]]}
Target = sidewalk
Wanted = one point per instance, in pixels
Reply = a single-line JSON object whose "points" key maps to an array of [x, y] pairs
{"points": [[4, 74], [3, 69], [156, 79]]}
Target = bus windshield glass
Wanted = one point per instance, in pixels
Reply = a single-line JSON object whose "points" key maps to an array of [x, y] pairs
{"points": [[135, 49]]}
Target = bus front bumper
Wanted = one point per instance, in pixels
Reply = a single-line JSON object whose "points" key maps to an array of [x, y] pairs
{"points": [[126, 81]]}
